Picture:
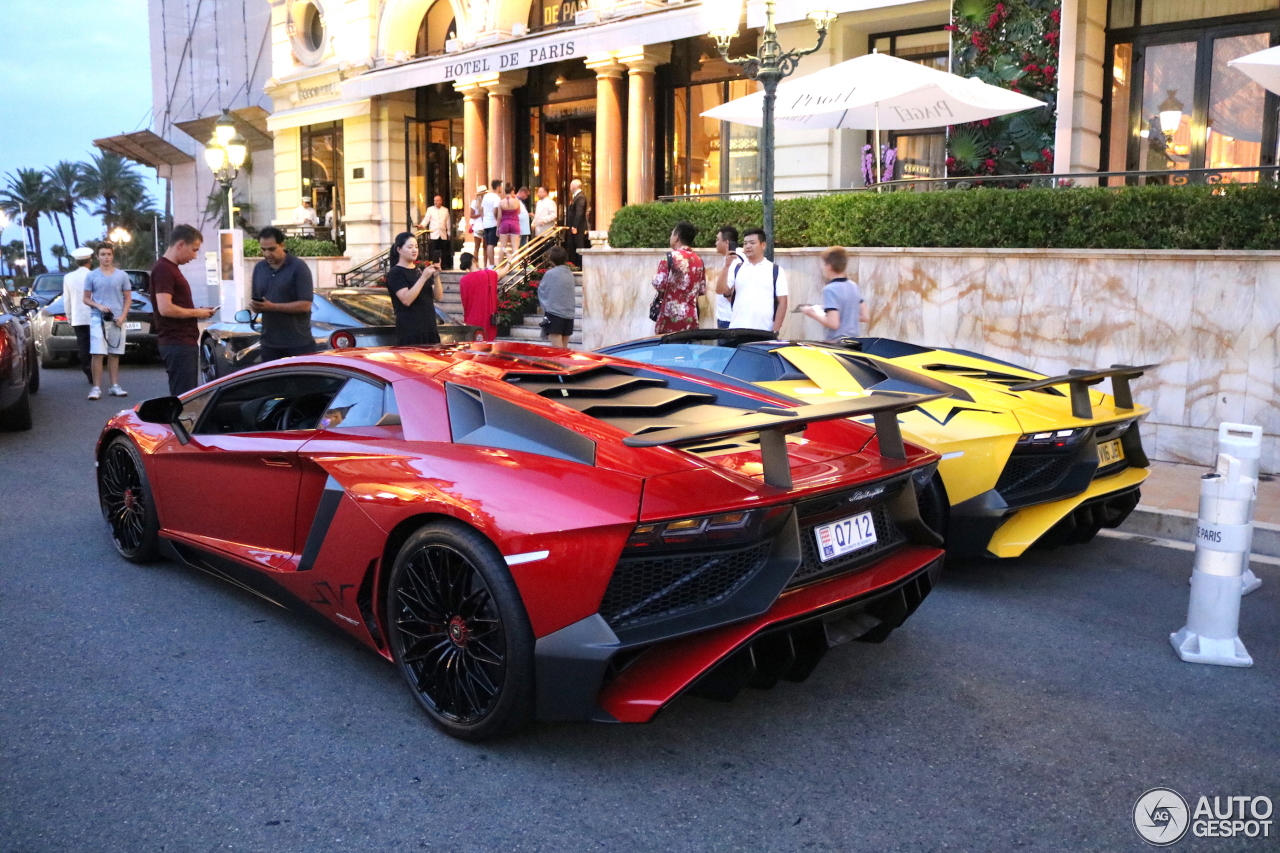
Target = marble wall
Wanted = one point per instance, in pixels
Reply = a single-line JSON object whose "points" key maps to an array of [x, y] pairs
{"points": [[1209, 318]]}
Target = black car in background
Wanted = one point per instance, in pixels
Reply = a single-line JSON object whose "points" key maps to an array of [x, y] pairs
{"points": [[228, 347], [19, 368]]}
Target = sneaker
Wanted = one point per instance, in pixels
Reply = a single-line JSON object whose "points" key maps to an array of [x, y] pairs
{"points": [[117, 391], [95, 392]]}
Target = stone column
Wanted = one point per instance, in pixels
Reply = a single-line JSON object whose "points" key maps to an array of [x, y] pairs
{"points": [[502, 138], [641, 110], [502, 124], [475, 147], [610, 156]]}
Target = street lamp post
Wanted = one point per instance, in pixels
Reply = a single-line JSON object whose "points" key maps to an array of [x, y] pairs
{"points": [[769, 67], [225, 153]]}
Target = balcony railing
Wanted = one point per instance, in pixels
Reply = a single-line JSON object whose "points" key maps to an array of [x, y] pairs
{"points": [[1115, 180]]}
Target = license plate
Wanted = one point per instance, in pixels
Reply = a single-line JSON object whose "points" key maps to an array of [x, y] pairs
{"points": [[841, 537], [132, 327], [1110, 452]]}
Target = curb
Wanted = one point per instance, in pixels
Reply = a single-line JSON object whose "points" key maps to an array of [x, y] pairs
{"points": [[1180, 526]]}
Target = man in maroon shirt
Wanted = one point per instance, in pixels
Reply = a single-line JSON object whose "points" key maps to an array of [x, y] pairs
{"points": [[176, 316]]}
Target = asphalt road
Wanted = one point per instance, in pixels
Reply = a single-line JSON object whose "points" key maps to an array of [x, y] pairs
{"points": [[1026, 705]]}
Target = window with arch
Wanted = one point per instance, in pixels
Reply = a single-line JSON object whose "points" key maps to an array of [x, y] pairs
{"points": [[438, 26]]}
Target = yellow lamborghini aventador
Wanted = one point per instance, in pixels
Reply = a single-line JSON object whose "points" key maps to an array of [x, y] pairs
{"points": [[1026, 459]]}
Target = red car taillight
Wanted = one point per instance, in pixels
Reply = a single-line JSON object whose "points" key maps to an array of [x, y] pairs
{"points": [[61, 318], [342, 340]]}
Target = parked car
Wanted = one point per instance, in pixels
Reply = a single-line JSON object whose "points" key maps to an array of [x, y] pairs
{"points": [[531, 532], [48, 286], [19, 367], [56, 340], [226, 347], [1023, 463]]}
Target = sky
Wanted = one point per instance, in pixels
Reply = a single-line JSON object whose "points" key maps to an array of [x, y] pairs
{"points": [[61, 87]]}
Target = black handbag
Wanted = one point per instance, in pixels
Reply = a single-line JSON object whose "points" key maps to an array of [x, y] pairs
{"points": [[655, 307]]}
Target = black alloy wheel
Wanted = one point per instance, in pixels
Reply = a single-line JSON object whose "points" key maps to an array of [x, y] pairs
{"points": [[460, 634], [127, 505]]}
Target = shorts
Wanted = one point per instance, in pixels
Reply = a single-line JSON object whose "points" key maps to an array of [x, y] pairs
{"points": [[98, 343], [491, 236], [559, 325], [508, 228]]}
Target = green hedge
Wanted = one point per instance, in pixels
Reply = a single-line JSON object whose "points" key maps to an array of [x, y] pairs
{"points": [[300, 246], [1154, 217]]}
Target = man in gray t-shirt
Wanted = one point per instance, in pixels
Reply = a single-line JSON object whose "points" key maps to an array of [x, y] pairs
{"points": [[107, 293], [843, 308]]}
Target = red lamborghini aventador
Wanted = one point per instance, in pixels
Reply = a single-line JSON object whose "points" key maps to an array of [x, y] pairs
{"points": [[535, 533]]}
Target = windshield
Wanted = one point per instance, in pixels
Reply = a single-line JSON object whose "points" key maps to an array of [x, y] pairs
{"points": [[372, 309], [48, 284], [681, 356]]}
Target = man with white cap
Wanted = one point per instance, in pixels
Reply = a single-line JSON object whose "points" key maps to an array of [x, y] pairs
{"points": [[73, 304]]}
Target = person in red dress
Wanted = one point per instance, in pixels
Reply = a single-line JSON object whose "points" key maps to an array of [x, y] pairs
{"points": [[479, 289], [679, 282]]}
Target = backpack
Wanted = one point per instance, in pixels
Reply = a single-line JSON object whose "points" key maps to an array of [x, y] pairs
{"points": [[774, 290]]}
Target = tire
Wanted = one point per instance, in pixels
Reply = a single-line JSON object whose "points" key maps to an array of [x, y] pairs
{"points": [[127, 503], [18, 416], [48, 360], [33, 381], [459, 633], [208, 362]]}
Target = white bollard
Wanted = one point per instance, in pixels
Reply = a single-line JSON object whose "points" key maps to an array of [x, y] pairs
{"points": [[1244, 442], [1211, 634]]}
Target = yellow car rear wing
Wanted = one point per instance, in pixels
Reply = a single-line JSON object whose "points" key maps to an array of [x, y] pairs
{"points": [[774, 423], [1080, 380]]}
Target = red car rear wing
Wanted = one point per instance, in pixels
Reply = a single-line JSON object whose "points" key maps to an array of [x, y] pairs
{"points": [[1080, 380], [773, 424]]}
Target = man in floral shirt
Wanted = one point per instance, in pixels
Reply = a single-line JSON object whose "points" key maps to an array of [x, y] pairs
{"points": [[679, 282]]}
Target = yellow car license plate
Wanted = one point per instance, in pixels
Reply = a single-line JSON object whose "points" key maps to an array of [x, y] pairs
{"points": [[1110, 452]]}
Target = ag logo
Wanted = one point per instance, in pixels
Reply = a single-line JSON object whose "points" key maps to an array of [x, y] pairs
{"points": [[1160, 816]]}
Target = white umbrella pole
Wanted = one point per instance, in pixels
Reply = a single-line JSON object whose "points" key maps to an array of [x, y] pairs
{"points": [[876, 152]]}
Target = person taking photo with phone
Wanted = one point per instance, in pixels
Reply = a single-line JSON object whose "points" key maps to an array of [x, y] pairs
{"points": [[413, 302], [107, 293]]}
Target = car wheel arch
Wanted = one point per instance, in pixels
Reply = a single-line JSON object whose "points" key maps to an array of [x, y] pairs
{"points": [[395, 541]]}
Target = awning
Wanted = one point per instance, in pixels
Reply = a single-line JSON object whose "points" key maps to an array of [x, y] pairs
{"points": [[251, 122], [317, 114], [636, 31], [145, 147]]}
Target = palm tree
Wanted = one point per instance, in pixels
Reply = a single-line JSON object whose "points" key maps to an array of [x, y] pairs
{"points": [[10, 252], [66, 185], [27, 193], [135, 213], [108, 177], [60, 254]]}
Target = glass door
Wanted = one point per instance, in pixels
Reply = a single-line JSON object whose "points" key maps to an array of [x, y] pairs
{"points": [[567, 152], [1187, 108]]}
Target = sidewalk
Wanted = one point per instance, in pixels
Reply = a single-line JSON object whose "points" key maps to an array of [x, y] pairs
{"points": [[1171, 501]]}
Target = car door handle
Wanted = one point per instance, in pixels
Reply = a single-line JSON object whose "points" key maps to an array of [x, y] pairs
{"points": [[277, 461]]}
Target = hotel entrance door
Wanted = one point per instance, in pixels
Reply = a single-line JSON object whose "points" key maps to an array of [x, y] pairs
{"points": [[564, 150]]}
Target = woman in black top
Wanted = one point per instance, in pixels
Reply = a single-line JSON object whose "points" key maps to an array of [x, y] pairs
{"points": [[413, 303]]}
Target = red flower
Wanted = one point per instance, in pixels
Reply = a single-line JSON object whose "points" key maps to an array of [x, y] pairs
{"points": [[1031, 68], [986, 122], [951, 28], [951, 162], [1055, 15], [990, 164], [1049, 70]]}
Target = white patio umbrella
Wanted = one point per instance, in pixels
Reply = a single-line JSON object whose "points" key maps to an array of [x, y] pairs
{"points": [[1263, 67], [874, 91]]}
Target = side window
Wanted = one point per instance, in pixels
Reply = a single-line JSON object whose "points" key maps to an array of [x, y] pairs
{"points": [[324, 311], [192, 409], [358, 404], [278, 403]]}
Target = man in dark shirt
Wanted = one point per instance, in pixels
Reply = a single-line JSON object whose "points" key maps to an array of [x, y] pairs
{"points": [[177, 318], [282, 291]]}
